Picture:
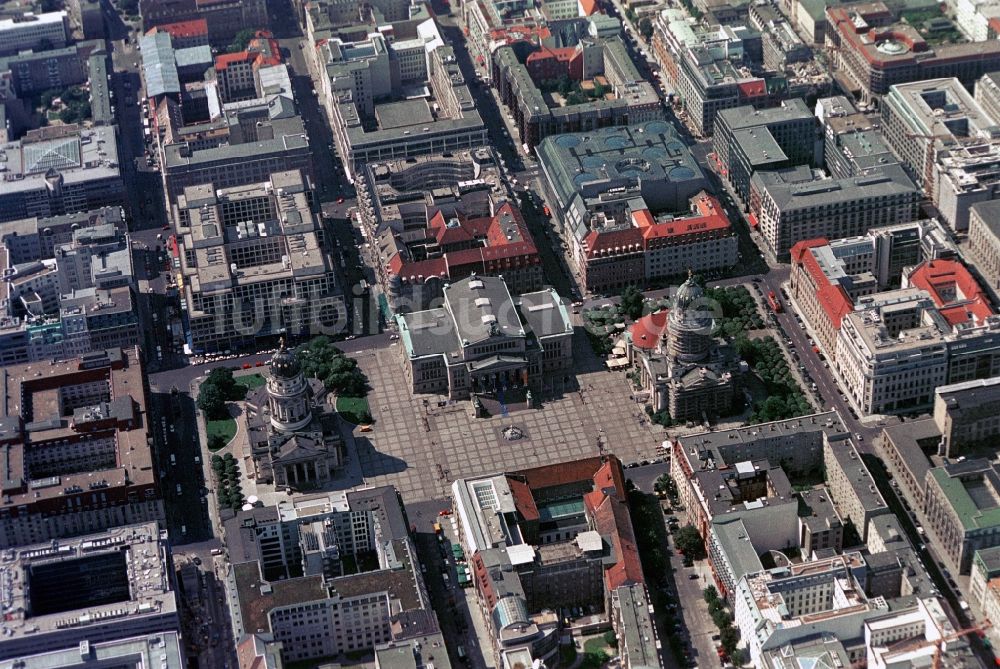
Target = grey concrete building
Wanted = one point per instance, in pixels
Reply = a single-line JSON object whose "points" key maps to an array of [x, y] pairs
{"points": [[984, 240], [949, 144], [327, 574], [60, 170], [851, 485], [253, 264], [853, 143], [363, 85], [93, 589], [793, 204], [747, 140], [967, 414]]}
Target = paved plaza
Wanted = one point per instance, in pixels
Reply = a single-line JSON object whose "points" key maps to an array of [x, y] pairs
{"points": [[420, 447]]}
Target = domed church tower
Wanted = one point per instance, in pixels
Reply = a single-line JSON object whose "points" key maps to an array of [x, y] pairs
{"points": [[288, 392], [689, 334]]}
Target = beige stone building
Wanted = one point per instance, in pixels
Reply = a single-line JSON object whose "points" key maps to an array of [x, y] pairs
{"points": [[483, 342]]}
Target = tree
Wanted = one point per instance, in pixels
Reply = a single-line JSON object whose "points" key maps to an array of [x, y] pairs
{"points": [[241, 41], [631, 302], [322, 360], [721, 618], [611, 639], [729, 638], [215, 442], [689, 542], [645, 28], [211, 401], [222, 378], [710, 594]]}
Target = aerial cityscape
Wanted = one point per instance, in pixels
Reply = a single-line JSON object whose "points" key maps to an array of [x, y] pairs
{"points": [[499, 334]]}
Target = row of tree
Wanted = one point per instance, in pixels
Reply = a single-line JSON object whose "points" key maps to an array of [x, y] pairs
{"points": [[729, 636], [785, 398], [229, 492]]}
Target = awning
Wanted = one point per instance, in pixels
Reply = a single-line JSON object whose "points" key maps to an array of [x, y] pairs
{"points": [[617, 363], [753, 221]]}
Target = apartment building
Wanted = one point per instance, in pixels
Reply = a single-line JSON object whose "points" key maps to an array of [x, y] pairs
{"points": [[987, 93], [393, 100], [892, 353], [75, 437], [792, 204], [30, 31], [32, 72], [852, 486], [517, 71], [985, 568], [853, 142], [916, 635], [59, 170], [184, 34], [797, 443], [747, 484], [628, 225], [250, 141], [327, 574], [825, 594], [961, 510], [94, 589], [162, 649], [747, 140], [252, 263], [223, 18], [947, 142]]}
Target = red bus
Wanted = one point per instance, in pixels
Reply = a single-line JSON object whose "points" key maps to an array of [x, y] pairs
{"points": [[772, 299]]}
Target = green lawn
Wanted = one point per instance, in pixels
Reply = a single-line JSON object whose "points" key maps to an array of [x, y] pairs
{"points": [[245, 384], [595, 645], [225, 428], [354, 410]]}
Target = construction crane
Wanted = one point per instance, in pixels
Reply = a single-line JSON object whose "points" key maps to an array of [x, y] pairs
{"points": [[940, 643]]}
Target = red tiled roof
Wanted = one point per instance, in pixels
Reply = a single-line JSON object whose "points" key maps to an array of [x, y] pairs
{"points": [[192, 28], [994, 24], [612, 519], [710, 217], [547, 476], [524, 501], [423, 269], [624, 240], [646, 331], [562, 53], [263, 50], [588, 7], [753, 88], [940, 278], [836, 303]]}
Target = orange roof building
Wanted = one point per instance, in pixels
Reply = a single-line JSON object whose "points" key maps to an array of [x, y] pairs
{"points": [[646, 247], [958, 295], [547, 537]]}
